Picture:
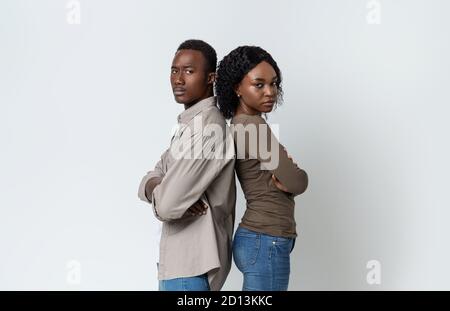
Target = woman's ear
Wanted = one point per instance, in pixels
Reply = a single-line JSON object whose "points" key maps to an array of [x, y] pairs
{"points": [[237, 90]]}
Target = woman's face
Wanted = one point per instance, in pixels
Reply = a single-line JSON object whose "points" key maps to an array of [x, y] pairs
{"points": [[258, 90]]}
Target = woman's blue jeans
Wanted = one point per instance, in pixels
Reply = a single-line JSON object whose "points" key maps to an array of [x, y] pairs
{"points": [[263, 259]]}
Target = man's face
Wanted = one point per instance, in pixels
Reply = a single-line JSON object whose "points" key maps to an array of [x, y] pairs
{"points": [[189, 80]]}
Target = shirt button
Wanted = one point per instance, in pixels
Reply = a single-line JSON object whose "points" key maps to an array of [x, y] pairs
{"points": [[273, 242]]}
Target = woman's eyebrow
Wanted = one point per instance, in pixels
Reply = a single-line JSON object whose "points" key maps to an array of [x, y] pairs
{"points": [[258, 79], [261, 79]]}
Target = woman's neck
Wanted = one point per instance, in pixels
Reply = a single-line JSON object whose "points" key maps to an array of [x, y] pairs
{"points": [[243, 109]]}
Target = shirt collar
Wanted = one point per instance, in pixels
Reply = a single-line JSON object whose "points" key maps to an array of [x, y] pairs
{"points": [[191, 112]]}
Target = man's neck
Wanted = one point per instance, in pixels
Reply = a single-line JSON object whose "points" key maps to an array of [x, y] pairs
{"points": [[187, 106]]}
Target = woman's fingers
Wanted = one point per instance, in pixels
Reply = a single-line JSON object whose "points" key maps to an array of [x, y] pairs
{"points": [[278, 184]]}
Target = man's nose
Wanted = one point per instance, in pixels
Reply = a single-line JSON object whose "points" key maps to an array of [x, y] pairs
{"points": [[179, 79]]}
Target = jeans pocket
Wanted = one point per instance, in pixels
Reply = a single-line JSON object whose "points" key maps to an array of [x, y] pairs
{"points": [[284, 245], [282, 240], [246, 249]]}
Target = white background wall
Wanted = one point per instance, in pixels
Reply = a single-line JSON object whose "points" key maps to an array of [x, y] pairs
{"points": [[86, 109]]}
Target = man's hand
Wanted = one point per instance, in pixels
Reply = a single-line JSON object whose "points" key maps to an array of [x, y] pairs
{"points": [[198, 209], [151, 185]]}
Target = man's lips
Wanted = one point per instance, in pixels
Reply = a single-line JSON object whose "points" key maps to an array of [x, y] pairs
{"points": [[178, 91]]}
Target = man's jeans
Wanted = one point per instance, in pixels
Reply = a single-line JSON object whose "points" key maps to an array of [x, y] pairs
{"points": [[263, 259], [195, 283]]}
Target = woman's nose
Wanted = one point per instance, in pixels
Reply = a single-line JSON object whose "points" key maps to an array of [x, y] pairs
{"points": [[269, 90]]}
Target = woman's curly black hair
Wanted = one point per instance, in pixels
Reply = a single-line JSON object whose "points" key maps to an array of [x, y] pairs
{"points": [[232, 69]]}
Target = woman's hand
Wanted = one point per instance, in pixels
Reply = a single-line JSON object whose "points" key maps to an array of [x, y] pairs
{"points": [[278, 184]]}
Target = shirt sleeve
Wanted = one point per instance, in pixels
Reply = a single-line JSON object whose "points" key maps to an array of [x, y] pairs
{"points": [[273, 156], [190, 175], [159, 171]]}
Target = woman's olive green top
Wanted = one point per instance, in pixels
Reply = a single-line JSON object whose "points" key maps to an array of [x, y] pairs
{"points": [[259, 155]]}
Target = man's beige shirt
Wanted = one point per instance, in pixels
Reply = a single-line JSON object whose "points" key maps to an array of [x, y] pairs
{"points": [[194, 245]]}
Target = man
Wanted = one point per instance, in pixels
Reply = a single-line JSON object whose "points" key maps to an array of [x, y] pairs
{"points": [[193, 191]]}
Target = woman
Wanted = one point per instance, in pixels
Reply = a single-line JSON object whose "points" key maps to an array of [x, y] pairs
{"points": [[248, 86]]}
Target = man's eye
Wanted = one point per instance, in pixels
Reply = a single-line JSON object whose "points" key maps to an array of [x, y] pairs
{"points": [[259, 85], [274, 83], [174, 71], [189, 71]]}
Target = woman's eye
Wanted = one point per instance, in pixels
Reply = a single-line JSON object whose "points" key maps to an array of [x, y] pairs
{"points": [[259, 85]]}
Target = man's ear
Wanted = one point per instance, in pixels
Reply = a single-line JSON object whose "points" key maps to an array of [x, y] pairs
{"points": [[211, 78]]}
